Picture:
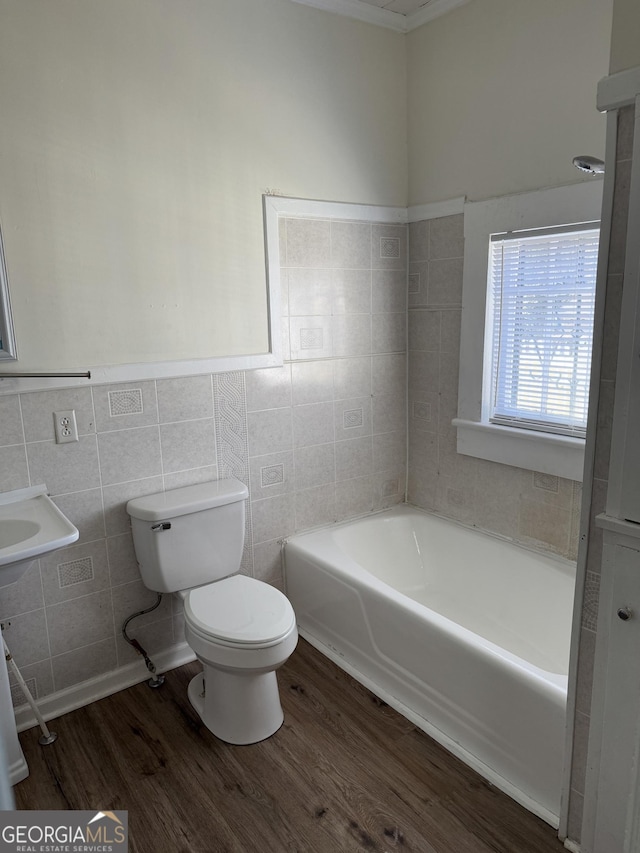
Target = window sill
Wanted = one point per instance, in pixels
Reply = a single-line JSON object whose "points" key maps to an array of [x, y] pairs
{"points": [[536, 451]]}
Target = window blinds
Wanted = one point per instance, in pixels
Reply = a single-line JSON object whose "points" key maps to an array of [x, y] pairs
{"points": [[542, 294]]}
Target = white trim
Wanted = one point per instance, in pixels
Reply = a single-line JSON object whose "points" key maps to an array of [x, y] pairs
{"points": [[59, 703], [435, 210], [622, 494], [585, 511], [315, 208], [449, 744], [383, 17], [572, 846], [523, 448], [580, 202], [619, 526], [618, 90], [8, 351]]}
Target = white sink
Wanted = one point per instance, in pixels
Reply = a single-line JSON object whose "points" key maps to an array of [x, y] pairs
{"points": [[30, 525]]}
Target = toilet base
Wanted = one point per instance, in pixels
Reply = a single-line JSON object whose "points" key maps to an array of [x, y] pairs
{"points": [[238, 709]]}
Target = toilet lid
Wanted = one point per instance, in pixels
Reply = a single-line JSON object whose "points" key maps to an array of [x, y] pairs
{"points": [[239, 609]]}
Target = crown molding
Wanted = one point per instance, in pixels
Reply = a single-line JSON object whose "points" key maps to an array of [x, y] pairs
{"points": [[361, 12], [431, 11], [383, 17]]}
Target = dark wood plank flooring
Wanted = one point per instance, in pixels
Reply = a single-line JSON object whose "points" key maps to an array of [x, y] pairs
{"points": [[344, 773]]}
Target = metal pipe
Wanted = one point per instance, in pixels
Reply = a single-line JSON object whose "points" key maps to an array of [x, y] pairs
{"points": [[85, 375], [47, 736]]}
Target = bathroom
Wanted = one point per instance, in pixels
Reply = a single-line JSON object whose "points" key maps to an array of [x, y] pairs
{"points": [[301, 103]]}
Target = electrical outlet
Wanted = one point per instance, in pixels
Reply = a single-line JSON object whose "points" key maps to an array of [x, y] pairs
{"points": [[65, 425]]}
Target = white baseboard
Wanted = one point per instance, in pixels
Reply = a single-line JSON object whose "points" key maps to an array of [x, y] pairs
{"points": [[59, 703], [573, 846]]}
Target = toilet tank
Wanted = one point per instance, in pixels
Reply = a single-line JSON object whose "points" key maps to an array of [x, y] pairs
{"points": [[187, 537]]}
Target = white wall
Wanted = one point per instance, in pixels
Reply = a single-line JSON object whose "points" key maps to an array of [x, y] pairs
{"points": [[137, 139], [502, 96], [625, 36]]}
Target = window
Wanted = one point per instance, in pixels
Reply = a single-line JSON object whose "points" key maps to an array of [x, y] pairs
{"points": [[541, 297], [527, 326]]}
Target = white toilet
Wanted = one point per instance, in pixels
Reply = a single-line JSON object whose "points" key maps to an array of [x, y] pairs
{"points": [[190, 541]]}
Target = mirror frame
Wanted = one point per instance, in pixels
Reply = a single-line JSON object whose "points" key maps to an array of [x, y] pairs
{"points": [[8, 351], [107, 374]]}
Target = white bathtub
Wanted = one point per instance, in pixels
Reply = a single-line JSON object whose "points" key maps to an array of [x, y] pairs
{"points": [[464, 633]]}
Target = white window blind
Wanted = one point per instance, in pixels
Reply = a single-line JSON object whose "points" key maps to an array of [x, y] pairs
{"points": [[541, 305]]}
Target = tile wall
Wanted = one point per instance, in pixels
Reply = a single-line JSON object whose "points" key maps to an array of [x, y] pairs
{"points": [[321, 439], [536, 509]]}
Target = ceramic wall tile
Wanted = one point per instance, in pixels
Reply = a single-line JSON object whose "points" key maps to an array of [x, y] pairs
{"points": [[354, 458], [310, 292], [308, 243], [125, 405], [314, 466], [188, 444], [85, 510], [38, 408], [351, 291], [185, 399], [128, 454], [84, 663], [14, 471], [75, 571], [312, 382], [80, 622], [11, 431], [351, 245], [26, 636], [65, 467], [269, 388]]}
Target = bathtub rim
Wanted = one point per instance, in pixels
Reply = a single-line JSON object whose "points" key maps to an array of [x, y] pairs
{"points": [[408, 508]]}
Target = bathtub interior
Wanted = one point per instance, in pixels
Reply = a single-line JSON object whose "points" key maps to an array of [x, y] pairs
{"points": [[517, 599]]}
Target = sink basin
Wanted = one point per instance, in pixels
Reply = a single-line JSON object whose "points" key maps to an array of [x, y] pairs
{"points": [[30, 525]]}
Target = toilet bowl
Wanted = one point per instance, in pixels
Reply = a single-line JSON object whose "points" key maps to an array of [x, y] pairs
{"points": [[189, 541], [241, 630]]}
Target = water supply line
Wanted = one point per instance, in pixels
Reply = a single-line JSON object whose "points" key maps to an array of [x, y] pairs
{"points": [[47, 736], [155, 680]]}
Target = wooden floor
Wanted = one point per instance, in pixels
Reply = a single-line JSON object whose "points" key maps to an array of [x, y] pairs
{"points": [[344, 773]]}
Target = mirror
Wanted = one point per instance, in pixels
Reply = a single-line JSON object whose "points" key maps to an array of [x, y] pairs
{"points": [[132, 218], [7, 337]]}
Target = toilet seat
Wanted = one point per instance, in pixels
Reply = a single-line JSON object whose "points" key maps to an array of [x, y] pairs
{"points": [[239, 611]]}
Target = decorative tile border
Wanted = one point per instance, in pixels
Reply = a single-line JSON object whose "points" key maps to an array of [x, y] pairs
{"points": [[125, 402], [311, 339], [17, 696], [232, 443], [546, 482], [353, 418], [75, 571], [389, 247], [271, 475], [422, 411], [591, 601]]}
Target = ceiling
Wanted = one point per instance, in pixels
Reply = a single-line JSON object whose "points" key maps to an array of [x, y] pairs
{"points": [[400, 15]]}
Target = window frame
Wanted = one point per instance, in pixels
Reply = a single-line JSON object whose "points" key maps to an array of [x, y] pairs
{"points": [[546, 452]]}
